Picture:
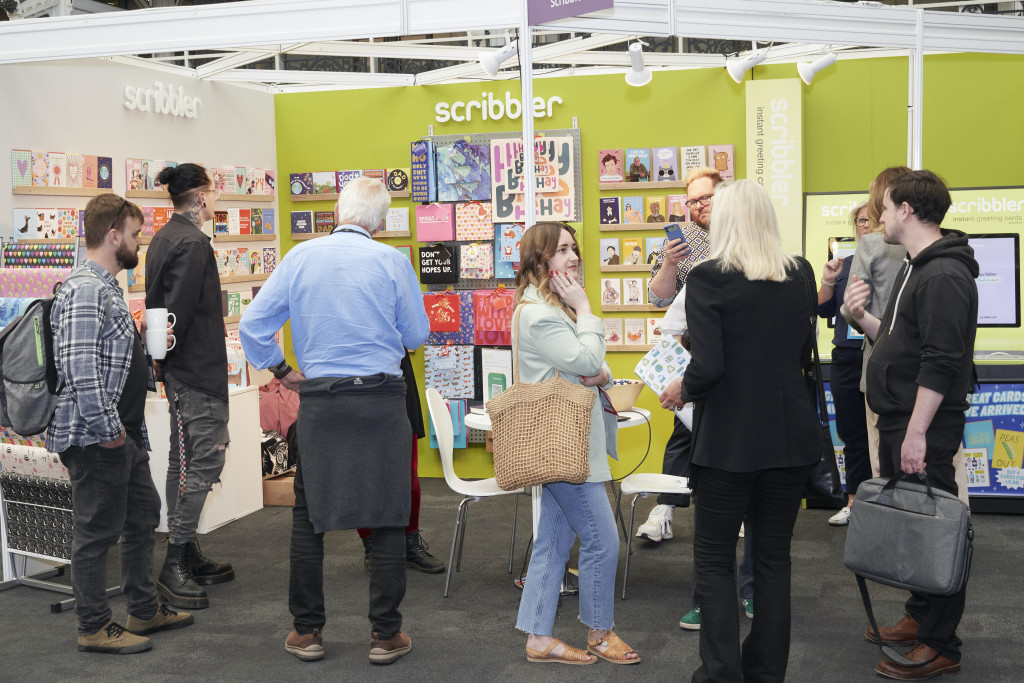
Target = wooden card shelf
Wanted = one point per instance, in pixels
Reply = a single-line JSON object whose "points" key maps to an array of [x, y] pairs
{"points": [[616, 227], [229, 319], [638, 348], [383, 234], [256, 277], [225, 197], [666, 185], [618, 308], [333, 196], [137, 288], [244, 238], [627, 268], [60, 191]]}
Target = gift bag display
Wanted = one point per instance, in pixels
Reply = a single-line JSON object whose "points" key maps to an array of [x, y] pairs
{"points": [[449, 369], [435, 222], [492, 317], [464, 335], [476, 261], [473, 222], [457, 408], [439, 265], [443, 311]]}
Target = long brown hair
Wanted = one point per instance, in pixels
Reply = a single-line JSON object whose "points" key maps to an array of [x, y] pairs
{"points": [[539, 244], [876, 193]]}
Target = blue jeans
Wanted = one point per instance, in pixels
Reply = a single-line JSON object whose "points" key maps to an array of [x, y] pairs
{"points": [[113, 496], [568, 511]]}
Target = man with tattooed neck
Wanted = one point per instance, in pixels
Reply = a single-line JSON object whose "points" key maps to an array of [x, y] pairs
{"points": [[181, 276]]}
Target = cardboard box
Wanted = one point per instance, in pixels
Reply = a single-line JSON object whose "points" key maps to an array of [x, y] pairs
{"points": [[279, 490]]}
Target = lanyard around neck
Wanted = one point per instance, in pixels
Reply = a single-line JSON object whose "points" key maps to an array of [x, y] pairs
{"points": [[358, 232]]}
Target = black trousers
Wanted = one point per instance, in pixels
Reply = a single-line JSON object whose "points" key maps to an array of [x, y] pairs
{"points": [[851, 420], [937, 616], [306, 582], [113, 496], [722, 500], [677, 461]]}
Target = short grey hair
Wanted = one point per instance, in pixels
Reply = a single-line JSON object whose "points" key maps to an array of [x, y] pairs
{"points": [[363, 202]]}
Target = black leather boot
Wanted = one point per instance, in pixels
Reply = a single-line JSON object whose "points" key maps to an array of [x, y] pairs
{"points": [[175, 582], [205, 571], [417, 557], [367, 546]]}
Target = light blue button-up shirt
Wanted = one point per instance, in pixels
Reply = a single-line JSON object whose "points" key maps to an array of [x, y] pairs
{"points": [[354, 304]]}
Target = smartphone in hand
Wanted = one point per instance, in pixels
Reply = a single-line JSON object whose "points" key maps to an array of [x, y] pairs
{"points": [[674, 232]]}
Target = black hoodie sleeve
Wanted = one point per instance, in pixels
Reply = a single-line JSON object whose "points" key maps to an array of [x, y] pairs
{"points": [[943, 302]]}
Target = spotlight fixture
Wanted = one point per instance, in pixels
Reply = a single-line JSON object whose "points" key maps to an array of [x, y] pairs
{"points": [[491, 60], [638, 75], [738, 67], [807, 70]]}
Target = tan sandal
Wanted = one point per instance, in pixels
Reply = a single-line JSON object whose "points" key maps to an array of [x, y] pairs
{"points": [[571, 655], [615, 652]]}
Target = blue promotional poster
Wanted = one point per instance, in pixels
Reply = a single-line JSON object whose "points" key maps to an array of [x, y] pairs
{"points": [[993, 440]]}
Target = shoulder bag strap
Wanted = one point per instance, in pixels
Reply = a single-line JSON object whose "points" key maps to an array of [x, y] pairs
{"points": [[812, 299], [887, 650]]}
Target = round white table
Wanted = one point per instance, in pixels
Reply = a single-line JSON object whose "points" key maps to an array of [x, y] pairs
{"points": [[634, 417]]}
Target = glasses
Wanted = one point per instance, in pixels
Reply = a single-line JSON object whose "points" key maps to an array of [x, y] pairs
{"points": [[862, 221], [703, 201], [113, 223]]}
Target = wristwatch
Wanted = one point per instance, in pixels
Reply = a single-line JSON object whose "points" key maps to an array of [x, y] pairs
{"points": [[281, 370]]}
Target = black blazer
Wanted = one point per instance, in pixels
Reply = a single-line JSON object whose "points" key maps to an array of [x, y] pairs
{"points": [[750, 342]]}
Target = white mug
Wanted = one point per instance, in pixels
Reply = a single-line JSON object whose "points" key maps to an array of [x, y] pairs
{"points": [[157, 322]]}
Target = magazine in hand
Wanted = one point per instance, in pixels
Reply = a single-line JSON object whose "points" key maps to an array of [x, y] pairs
{"points": [[662, 364]]}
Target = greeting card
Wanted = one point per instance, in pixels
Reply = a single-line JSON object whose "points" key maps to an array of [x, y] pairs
{"points": [[610, 210], [269, 261], [220, 222], [105, 173], [376, 174], [21, 167], [722, 159], [256, 221], [300, 183], [654, 207], [302, 222], [234, 222], [639, 160], [90, 171], [610, 251], [255, 262], [610, 165], [325, 182], [40, 169], [635, 330], [268, 221], [244, 224], [343, 178], [693, 157], [323, 222], [678, 212], [666, 164], [653, 244], [397, 220], [632, 290], [611, 291], [653, 330], [57, 175], [632, 210], [74, 163], [612, 331], [632, 252], [398, 180]]}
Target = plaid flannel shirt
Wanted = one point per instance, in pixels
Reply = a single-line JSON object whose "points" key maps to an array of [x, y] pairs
{"points": [[93, 334]]}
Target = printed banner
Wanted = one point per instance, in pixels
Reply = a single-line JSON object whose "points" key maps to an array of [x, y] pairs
{"points": [[775, 149]]}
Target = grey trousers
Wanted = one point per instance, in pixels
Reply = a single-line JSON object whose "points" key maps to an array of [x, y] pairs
{"points": [[204, 420]]}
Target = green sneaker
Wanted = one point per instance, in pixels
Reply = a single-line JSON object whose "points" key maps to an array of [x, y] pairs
{"points": [[748, 607], [691, 620]]}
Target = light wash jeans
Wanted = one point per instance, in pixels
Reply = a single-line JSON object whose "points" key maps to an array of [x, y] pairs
{"points": [[568, 511]]}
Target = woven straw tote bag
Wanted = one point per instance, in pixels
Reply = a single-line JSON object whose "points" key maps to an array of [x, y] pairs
{"points": [[541, 432]]}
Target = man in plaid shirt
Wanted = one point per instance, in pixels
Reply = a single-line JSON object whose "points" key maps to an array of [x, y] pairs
{"points": [[99, 430]]}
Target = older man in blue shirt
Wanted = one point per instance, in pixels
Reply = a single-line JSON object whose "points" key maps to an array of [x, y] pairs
{"points": [[355, 306]]}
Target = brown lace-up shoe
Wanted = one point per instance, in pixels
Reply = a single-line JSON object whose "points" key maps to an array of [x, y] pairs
{"points": [[903, 633], [387, 651], [165, 619], [114, 639], [934, 666], [308, 648]]}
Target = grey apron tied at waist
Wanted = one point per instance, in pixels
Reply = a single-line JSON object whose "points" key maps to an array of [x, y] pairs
{"points": [[355, 445]]}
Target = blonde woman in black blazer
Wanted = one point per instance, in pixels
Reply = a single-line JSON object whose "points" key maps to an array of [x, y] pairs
{"points": [[755, 434]]}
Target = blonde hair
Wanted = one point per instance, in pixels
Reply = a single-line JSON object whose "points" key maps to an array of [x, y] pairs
{"points": [[876, 193], [854, 212], [701, 172], [745, 234], [540, 243]]}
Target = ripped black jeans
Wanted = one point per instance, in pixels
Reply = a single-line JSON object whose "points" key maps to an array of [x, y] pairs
{"points": [[204, 420]]}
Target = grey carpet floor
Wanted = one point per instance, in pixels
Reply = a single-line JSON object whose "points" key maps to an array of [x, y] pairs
{"points": [[470, 636]]}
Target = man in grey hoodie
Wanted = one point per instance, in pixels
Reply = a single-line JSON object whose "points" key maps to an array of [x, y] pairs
{"points": [[919, 375]]}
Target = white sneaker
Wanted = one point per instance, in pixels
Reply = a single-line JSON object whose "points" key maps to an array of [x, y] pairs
{"points": [[658, 526], [841, 518], [741, 530]]}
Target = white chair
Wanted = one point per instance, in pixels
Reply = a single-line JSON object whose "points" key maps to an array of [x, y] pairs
{"points": [[472, 490], [644, 485]]}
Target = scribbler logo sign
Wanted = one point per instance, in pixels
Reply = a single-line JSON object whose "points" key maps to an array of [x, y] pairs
{"points": [[162, 99], [493, 108]]}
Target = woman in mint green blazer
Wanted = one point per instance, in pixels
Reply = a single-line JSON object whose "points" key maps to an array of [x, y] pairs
{"points": [[557, 331]]}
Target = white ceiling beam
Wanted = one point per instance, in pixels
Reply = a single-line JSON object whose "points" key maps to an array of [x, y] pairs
{"points": [[955, 32], [153, 65], [396, 50], [355, 78], [231, 62]]}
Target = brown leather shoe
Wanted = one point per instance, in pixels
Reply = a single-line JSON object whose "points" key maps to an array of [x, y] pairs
{"points": [[922, 653], [903, 633], [387, 651], [308, 648]]}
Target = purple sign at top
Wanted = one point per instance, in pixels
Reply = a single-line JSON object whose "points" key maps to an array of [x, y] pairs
{"points": [[543, 11]]}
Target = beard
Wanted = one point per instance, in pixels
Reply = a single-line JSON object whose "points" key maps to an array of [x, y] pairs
{"points": [[126, 257], [892, 236]]}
